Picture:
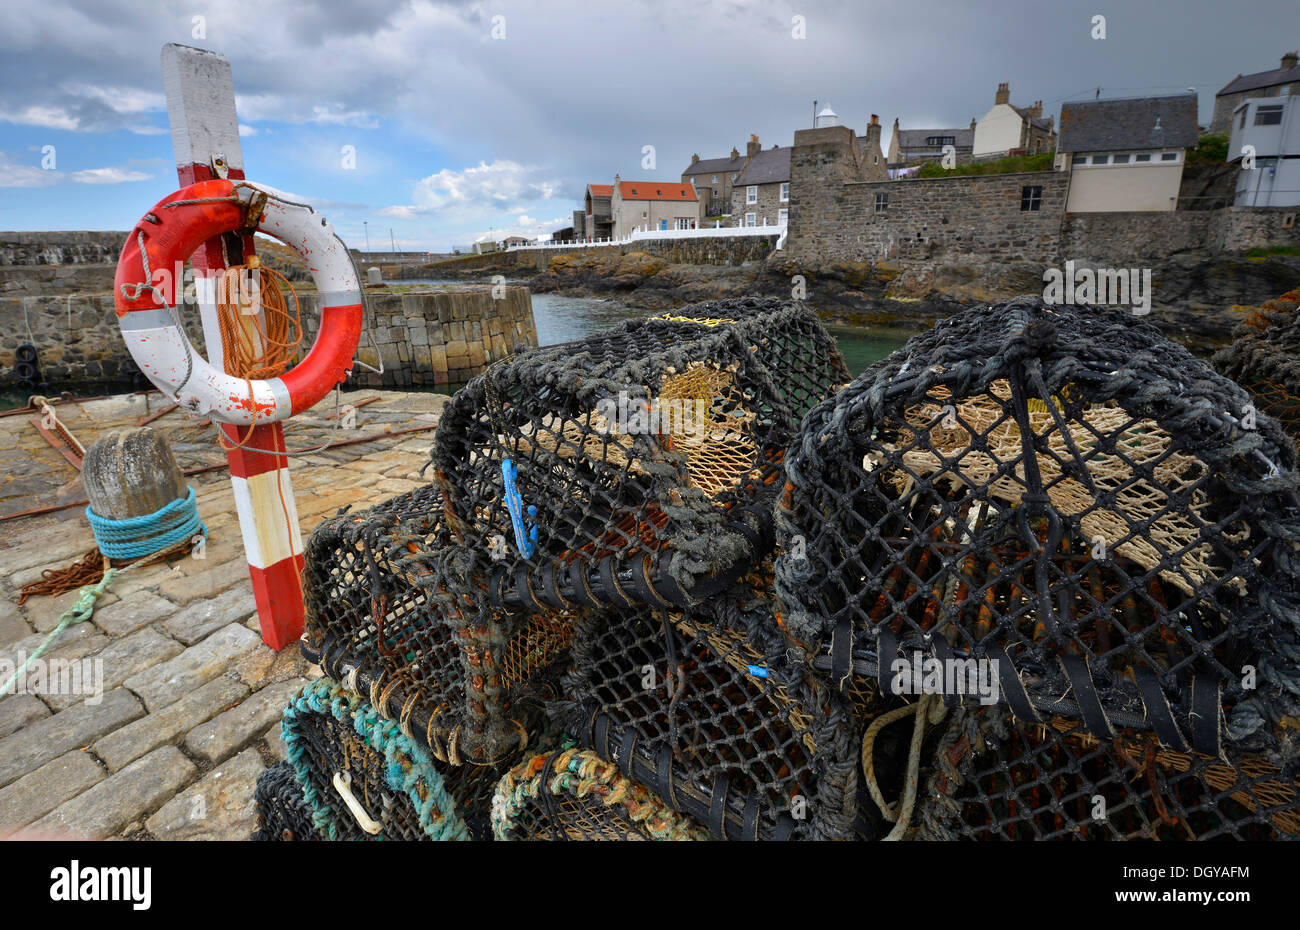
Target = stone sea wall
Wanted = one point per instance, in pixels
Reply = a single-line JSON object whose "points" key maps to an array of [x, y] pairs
{"points": [[432, 338]]}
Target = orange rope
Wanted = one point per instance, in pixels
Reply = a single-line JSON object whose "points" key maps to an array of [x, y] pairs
{"points": [[267, 347]]}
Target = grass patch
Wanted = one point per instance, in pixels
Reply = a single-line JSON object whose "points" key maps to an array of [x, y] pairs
{"points": [[1039, 162], [1262, 252]]}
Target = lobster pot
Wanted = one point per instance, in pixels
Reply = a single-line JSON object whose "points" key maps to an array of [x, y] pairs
{"points": [[638, 465], [282, 814], [1264, 358], [364, 778], [1056, 511], [1055, 781], [573, 794], [396, 611], [705, 714]]}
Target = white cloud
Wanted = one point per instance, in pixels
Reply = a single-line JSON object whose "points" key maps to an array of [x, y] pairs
{"points": [[109, 176], [499, 186], [45, 117], [17, 174], [246, 130]]}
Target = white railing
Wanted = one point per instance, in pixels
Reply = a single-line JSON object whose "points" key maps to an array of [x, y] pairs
{"points": [[640, 235]]}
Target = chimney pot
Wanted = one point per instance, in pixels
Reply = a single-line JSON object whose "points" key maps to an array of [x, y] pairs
{"points": [[1290, 59], [695, 158], [1003, 95]]}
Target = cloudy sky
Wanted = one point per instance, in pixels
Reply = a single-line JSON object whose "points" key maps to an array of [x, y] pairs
{"points": [[457, 132]]}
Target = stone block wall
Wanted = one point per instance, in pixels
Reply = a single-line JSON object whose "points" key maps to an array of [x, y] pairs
{"points": [[769, 204], [64, 247], [439, 338], [965, 218]]}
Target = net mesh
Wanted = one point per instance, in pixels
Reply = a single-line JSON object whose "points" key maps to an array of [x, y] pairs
{"points": [[282, 814], [1066, 503], [1264, 358], [1055, 781], [573, 794], [363, 778], [635, 466], [703, 708], [395, 611]]}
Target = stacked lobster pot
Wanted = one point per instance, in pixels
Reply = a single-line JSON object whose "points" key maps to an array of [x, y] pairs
{"points": [[1264, 358], [620, 486], [1056, 576]]}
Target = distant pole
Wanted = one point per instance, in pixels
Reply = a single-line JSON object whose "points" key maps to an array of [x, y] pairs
{"points": [[200, 94], [366, 224], [392, 239], [814, 114]]}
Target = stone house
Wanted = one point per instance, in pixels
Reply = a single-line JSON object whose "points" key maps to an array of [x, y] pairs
{"points": [[712, 179], [595, 220], [1007, 129], [653, 205], [1284, 80], [873, 154], [761, 193], [1126, 155], [1271, 127], [909, 147]]}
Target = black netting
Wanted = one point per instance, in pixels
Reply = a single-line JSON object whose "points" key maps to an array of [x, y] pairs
{"points": [[992, 780], [1067, 501], [573, 794], [364, 778], [396, 614], [643, 459], [701, 709], [282, 814], [1264, 358]]}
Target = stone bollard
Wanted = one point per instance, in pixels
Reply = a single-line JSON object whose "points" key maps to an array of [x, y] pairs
{"points": [[131, 473], [374, 275]]}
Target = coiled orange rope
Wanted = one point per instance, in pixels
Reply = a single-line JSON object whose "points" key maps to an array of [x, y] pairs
{"points": [[257, 347]]}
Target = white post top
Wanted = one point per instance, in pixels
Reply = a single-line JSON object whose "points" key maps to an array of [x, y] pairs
{"points": [[200, 91]]}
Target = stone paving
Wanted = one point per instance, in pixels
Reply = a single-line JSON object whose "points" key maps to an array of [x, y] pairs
{"points": [[191, 697]]}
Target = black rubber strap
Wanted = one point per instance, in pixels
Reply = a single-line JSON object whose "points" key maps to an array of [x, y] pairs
{"points": [[749, 829], [943, 652], [842, 651], [718, 807], [667, 785], [886, 653], [550, 588], [784, 827], [1158, 712], [609, 586], [626, 751], [1205, 714], [581, 591], [668, 589], [1085, 695], [600, 737], [524, 589], [640, 578], [1013, 689]]}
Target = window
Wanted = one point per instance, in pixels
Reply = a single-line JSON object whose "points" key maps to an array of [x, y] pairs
{"points": [[882, 202], [1169, 156], [1121, 159], [733, 177], [1031, 197], [715, 179], [785, 192], [749, 219], [1145, 156], [682, 222], [783, 216], [940, 140], [1101, 159], [751, 194], [1268, 116], [1241, 123], [1080, 160]]}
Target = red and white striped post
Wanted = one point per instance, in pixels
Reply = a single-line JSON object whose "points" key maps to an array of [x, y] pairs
{"points": [[200, 93]]}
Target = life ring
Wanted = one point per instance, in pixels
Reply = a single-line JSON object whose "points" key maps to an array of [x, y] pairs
{"points": [[167, 235]]}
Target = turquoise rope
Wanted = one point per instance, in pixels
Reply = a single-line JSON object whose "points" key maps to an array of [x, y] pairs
{"points": [[136, 537], [407, 767]]}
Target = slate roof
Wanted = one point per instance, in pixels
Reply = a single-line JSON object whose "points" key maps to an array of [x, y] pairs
{"points": [[1041, 122], [716, 165], [1110, 125], [915, 138], [1244, 82], [656, 190], [768, 166]]}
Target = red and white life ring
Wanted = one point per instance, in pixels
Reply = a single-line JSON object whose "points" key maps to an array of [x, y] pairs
{"points": [[171, 232]]}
